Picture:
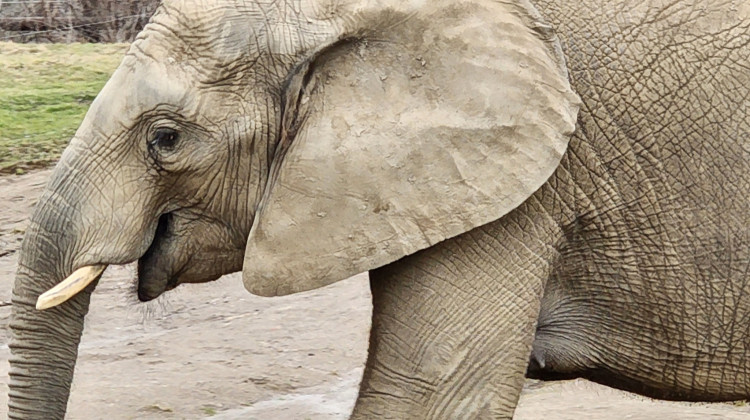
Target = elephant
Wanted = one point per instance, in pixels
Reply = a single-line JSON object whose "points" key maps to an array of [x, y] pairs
{"points": [[542, 188]]}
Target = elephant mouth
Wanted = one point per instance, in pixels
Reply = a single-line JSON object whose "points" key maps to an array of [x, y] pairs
{"points": [[183, 249], [155, 274], [180, 251]]}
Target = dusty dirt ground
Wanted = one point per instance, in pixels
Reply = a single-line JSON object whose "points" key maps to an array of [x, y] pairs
{"points": [[216, 351]]}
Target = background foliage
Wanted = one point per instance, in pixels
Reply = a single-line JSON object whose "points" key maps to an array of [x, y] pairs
{"points": [[45, 90]]}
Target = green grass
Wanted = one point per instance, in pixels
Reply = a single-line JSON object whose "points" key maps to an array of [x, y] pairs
{"points": [[208, 410], [45, 90]]}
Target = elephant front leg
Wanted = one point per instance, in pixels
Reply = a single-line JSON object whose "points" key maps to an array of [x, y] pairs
{"points": [[453, 326]]}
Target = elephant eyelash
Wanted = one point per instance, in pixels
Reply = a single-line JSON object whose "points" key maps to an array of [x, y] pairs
{"points": [[164, 139]]}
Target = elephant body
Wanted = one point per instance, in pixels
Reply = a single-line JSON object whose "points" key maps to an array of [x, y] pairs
{"points": [[602, 238], [649, 290], [636, 247]]}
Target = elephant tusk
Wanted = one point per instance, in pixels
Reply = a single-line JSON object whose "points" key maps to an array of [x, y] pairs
{"points": [[69, 287]]}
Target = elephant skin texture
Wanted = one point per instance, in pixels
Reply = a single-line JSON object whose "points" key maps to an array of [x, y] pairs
{"points": [[554, 190]]}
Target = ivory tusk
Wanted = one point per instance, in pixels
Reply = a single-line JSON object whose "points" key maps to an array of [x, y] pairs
{"points": [[69, 287]]}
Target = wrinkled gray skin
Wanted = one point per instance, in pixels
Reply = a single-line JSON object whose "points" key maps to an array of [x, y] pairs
{"points": [[628, 266]]}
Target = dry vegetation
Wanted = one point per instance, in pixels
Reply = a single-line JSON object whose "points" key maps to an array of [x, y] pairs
{"points": [[74, 20]]}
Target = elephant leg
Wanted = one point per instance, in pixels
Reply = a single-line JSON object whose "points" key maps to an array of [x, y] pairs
{"points": [[453, 325]]}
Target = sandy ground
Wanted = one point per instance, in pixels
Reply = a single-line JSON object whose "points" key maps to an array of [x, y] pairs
{"points": [[216, 351]]}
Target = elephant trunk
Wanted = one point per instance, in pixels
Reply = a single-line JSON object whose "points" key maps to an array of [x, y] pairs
{"points": [[44, 347], [44, 344]]}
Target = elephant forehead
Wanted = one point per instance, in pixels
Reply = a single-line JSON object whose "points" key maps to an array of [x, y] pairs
{"points": [[223, 32], [180, 32], [136, 88]]}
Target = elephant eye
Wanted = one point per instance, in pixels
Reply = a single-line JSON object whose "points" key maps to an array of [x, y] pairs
{"points": [[164, 138]]}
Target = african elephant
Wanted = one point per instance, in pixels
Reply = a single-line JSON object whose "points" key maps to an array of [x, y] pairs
{"points": [[552, 188]]}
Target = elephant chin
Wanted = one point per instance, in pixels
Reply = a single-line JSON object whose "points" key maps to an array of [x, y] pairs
{"points": [[154, 272], [150, 289]]}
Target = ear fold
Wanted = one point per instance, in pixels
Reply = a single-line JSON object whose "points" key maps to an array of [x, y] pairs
{"points": [[447, 122]]}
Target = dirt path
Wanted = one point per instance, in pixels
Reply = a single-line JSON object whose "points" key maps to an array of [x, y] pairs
{"points": [[216, 351]]}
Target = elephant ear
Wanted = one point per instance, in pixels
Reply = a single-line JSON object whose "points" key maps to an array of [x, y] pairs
{"points": [[407, 136]]}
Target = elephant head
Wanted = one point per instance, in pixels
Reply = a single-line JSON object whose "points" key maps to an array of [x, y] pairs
{"points": [[298, 141]]}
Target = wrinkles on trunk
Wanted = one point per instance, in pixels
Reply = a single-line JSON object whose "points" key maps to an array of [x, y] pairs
{"points": [[44, 344], [44, 347]]}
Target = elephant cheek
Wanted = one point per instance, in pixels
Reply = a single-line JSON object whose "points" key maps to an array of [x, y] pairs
{"points": [[208, 266]]}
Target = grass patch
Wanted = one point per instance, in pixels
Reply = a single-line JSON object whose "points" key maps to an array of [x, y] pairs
{"points": [[208, 410], [45, 90]]}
